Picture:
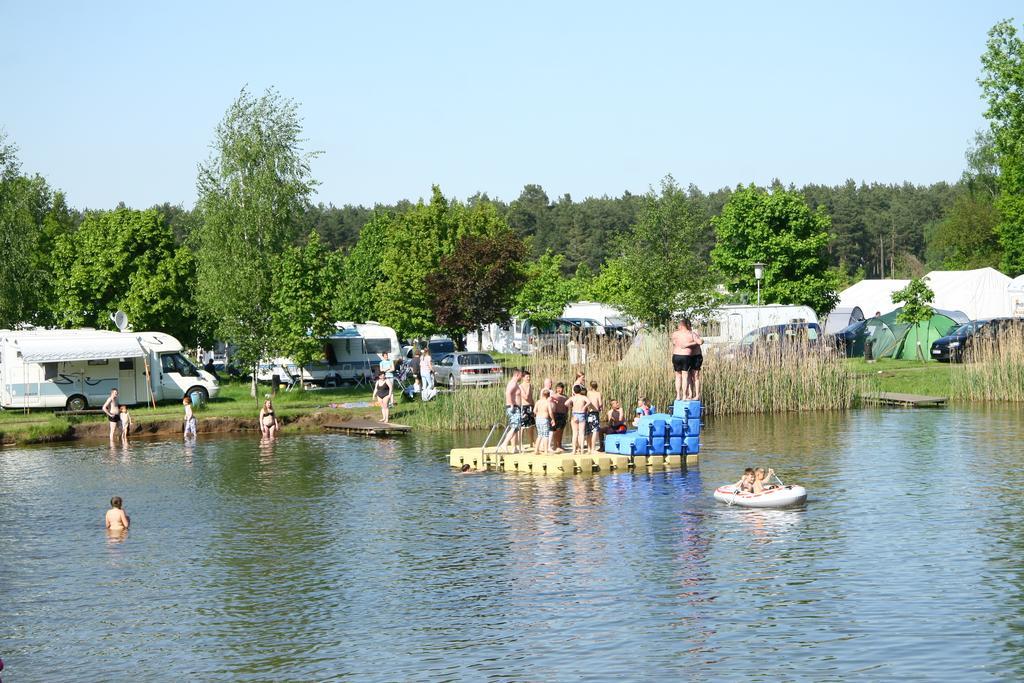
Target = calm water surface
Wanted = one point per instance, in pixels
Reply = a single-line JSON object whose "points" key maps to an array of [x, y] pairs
{"points": [[338, 558]]}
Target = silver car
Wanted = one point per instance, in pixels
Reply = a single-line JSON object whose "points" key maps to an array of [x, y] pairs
{"points": [[467, 369]]}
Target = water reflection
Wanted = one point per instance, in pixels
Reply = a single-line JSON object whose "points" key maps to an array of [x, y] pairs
{"points": [[318, 557]]}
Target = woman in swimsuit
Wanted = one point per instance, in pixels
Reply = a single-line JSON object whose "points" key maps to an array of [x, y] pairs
{"points": [[382, 396], [268, 420]]}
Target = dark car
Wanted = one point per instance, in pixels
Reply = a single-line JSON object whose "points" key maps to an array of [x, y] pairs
{"points": [[950, 349], [989, 338]]}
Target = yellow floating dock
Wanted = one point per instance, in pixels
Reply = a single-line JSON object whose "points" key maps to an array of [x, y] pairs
{"points": [[562, 463]]}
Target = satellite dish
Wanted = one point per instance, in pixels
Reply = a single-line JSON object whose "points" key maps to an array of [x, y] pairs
{"points": [[120, 320]]}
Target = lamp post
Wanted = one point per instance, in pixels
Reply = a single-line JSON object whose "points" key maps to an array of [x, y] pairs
{"points": [[758, 274]]}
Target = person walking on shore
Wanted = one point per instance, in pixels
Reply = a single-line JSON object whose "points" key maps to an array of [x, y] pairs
{"points": [[427, 374]]}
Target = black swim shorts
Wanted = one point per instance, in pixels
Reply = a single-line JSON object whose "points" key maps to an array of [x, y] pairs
{"points": [[560, 420], [692, 363], [114, 418], [679, 362]]}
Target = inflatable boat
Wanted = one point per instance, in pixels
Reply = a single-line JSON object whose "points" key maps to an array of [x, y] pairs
{"points": [[778, 497]]}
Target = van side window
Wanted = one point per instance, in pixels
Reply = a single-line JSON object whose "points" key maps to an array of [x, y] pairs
{"points": [[126, 364], [167, 363], [49, 370]]}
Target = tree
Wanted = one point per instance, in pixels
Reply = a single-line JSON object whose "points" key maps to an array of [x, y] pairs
{"points": [[662, 269], [303, 299], [916, 298], [779, 229], [414, 247], [26, 204], [125, 259], [476, 283], [361, 270], [1002, 86], [252, 191], [545, 290]]}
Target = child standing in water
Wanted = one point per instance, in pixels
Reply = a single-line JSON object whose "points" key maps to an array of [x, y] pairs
{"points": [[190, 419], [126, 424], [117, 519]]}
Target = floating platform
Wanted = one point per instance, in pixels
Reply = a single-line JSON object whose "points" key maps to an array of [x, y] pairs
{"points": [[562, 463], [369, 428], [904, 400]]}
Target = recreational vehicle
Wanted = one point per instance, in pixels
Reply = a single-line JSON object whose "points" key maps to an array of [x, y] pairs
{"points": [[727, 325], [76, 369], [352, 354]]}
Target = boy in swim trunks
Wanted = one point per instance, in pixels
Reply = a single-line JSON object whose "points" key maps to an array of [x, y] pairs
{"points": [[116, 518], [512, 412], [561, 416], [578, 406], [746, 482], [594, 417], [544, 415], [761, 479]]}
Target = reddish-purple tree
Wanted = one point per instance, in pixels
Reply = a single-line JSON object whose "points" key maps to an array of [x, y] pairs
{"points": [[476, 284]]}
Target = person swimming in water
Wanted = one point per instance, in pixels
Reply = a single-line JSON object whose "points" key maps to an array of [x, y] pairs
{"points": [[116, 518]]}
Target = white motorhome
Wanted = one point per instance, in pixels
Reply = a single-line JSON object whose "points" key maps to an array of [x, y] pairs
{"points": [[599, 317], [76, 369], [350, 354], [727, 325]]}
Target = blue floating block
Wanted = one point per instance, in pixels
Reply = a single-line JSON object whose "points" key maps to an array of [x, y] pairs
{"points": [[693, 426], [646, 425], [658, 445], [677, 427], [679, 409], [676, 446], [641, 445], [693, 409], [619, 443], [659, 428], [692, 445]]}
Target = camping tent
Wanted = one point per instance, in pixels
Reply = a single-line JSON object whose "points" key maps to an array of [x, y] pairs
{"points": [[980, 293], [842, 317], [871, 295], [892, 339]]}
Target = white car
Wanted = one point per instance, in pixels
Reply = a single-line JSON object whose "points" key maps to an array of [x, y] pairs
{"points": [[467, 369]]}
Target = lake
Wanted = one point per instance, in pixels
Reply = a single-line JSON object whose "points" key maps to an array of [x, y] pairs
{"points": [[327, 557]]}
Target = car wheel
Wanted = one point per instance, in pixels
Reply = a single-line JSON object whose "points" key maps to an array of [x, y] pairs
{"points": [[77, 402], [451, 382]]}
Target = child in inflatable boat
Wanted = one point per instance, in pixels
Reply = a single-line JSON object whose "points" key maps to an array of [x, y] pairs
{"points": [[755, 480]]}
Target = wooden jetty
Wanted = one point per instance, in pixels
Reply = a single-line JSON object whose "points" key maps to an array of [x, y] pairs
{"points": [[369, 428], [562, 463], [904, 400]]}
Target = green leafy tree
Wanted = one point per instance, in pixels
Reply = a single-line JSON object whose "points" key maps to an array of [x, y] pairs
{"points": [[125, 259], [1002, 86], [303, 299], [476, 283], [420, 238], [660, 263], [252, 193], [28, 210], [545, 291], [916, 298], [779, 229], [362, 272]]}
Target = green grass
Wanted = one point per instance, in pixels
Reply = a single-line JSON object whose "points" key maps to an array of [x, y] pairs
{"points": [[927, 378]]}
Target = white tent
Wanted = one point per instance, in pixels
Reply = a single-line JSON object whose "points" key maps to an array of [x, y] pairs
{"points": [[871, 296], [981, 293]]}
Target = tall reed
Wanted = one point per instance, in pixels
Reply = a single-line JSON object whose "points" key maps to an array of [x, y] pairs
{"points": [[993, 368], [771, 379]]}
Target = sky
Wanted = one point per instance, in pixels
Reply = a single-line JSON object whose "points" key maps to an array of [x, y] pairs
{"points": [[118, 101]]}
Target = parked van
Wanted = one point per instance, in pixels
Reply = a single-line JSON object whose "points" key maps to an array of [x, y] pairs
{"points": [[76, 369], [601, 318], [727, 325]]}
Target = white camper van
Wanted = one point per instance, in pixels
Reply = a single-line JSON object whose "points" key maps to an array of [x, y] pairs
{"points": [[728, 324], [601, 318], [350, 354], [76, 369]]}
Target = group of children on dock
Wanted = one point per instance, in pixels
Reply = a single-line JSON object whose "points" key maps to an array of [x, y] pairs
{"points": [[554, 409]]}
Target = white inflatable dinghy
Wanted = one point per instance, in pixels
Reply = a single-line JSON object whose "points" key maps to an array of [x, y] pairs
{"points": [[777, 497]]}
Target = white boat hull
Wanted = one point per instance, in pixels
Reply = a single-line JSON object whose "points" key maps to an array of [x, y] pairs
{"points": [[781, 497]]}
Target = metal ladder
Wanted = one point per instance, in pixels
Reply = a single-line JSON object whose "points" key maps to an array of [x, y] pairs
{"points": [[483, 449]]}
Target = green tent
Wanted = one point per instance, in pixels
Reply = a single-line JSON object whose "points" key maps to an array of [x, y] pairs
{"points": [[892, 339]]}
